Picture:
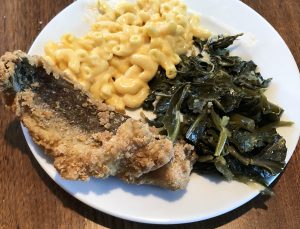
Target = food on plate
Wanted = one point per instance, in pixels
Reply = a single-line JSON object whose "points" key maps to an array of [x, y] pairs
{"points": [[217, 103], [121, 53], [211, 113], [87, 138], [175, 174]]}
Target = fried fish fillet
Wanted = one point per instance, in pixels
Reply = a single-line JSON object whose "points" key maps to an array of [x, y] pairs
{"points": [[87, 138], [174, 175]]}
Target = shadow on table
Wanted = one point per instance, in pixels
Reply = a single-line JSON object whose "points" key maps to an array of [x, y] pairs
{"points": [[15, 138]]}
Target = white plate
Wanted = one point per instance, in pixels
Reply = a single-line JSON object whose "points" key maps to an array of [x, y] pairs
{"points": [[205, 196]]}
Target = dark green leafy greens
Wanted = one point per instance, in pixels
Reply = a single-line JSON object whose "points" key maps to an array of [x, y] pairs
{"points": [[217, 103]]}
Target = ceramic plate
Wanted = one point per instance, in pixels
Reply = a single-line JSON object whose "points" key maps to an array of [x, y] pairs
{"points": [[205, 196]]}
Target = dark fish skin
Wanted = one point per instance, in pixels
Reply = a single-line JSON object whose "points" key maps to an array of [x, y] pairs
{"points": [[61, 96], [87, 138]]}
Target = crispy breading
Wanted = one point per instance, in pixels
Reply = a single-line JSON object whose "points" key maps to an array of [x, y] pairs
{"points": [[87, 138], [175, 174], [79, 155]]}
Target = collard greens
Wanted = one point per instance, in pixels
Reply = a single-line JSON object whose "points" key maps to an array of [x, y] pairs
{"points": [[217, 103]]}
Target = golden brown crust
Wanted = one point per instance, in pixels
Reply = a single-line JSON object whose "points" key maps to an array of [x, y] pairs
{"points": [[134, 152], [77, 153], [174, 175]]}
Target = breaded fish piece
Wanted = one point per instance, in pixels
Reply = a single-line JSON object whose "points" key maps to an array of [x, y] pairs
{"points": [[174, 175], [86, 138]]}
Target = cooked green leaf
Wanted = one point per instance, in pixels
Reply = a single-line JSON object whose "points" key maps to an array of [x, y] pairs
{"points": [[217, 103], [224, 133], [222, 167], [171, 120]]}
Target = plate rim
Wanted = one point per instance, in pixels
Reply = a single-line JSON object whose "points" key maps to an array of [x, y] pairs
{"points": [[161, 221]]}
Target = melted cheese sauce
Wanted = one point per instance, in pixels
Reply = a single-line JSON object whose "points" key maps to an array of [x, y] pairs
{"points": [[126, 45]]}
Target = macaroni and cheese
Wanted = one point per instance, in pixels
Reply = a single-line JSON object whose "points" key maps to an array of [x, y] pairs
{"points": [[126, 45]]}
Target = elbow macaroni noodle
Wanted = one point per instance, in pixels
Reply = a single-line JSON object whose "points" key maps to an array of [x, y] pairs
{"points": [[126, 45]]}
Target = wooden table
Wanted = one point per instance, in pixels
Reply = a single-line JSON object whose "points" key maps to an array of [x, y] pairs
{"points": [[30, 199]]}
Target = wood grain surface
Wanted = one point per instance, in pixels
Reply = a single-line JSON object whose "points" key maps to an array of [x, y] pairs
{"points": [[30, 199]]}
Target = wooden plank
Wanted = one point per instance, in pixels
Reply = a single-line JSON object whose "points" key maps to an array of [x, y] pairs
{"points": [[30, 199]]}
